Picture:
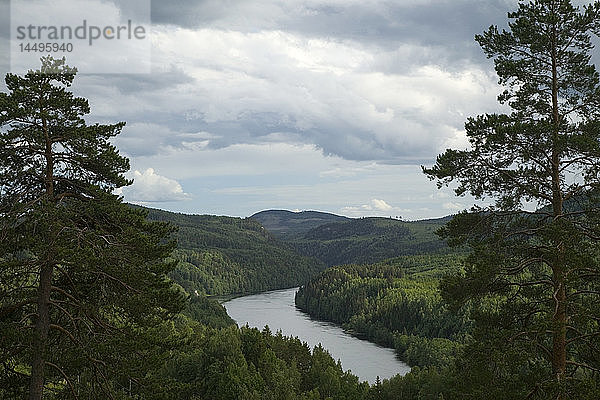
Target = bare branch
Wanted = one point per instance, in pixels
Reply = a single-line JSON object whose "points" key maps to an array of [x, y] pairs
{"points": [[66, 332], [64, 376], [582, 365]]}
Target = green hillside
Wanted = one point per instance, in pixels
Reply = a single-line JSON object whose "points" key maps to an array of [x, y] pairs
{"points": [[337, 240], [225, 255], [369, 240], [395, 303], [288, 225]]}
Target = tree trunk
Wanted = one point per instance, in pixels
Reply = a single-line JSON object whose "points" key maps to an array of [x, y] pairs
{"points": [[42, 326], [559, 317], [559, 339]]}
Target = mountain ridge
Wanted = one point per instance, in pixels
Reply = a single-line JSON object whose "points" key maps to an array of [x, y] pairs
{"points": [[219, 255], [337, 240], [286, 225]]}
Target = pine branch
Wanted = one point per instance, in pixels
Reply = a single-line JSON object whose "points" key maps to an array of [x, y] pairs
{"points": [[65, 377]]}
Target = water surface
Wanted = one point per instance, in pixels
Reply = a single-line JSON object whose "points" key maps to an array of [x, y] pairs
{"points": [[277, 310]]}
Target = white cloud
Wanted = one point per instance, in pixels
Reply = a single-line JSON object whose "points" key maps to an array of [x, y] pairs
{"points": [[376, 207], [276, 86], [149, 187], [381, 205], [454, 206]]}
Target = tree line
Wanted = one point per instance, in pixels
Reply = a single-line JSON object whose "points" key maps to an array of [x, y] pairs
{"points": [[369, 240], [224, 255], [396, 304], [87, 308]]}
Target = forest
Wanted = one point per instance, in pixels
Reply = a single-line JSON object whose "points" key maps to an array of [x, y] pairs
{"points": [[395, 303], [289, 225], [336, 240], [224, 255], [103, 300]]}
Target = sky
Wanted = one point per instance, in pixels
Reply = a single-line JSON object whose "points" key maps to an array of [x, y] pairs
{"points": [[329, 105]]}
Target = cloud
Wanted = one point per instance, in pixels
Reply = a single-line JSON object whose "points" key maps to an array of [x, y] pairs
{"points": [[446, 26], [149, 187], [145, 139], [381, 205], [4, 37], [454, 206], [376, 207], [278, 86]]}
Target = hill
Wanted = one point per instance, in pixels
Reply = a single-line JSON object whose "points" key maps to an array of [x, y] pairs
{"points": [[395, 303], [288, 225], [226, 255], [369, 240], [339, 240]]}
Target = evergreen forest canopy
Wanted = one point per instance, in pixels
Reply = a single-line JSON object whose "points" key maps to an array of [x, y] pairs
{"points": [[395, 303], [339, 240], [287, 225], [532, 279], [82, 275], [89, 307], [225, 255]]}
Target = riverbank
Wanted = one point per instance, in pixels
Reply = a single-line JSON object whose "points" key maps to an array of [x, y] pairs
{"points": [[277, 310]]}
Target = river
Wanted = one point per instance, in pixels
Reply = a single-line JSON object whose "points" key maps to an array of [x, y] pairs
{"points": [[277, 310]]}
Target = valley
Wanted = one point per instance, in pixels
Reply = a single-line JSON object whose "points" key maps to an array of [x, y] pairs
{"points": [[377, 278]]}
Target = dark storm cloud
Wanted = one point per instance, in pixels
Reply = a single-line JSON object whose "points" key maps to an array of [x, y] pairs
{"points": [[248, 72], [447, 26]]}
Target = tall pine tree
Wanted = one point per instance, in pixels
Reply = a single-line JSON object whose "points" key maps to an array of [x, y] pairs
{"points": [[81, 273], [533, 278]]}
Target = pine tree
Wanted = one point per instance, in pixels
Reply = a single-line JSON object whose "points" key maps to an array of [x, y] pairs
{"points": [[533, 278], [81, 273]]}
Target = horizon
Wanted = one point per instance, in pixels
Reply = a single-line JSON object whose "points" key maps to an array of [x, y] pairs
{"points": [[393, 217], [310, 104]]}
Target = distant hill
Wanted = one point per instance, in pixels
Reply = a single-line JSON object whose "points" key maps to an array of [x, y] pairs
{"points": [[288, 225], [370, 240], [338, 240], [278, 249], [225, 255]]}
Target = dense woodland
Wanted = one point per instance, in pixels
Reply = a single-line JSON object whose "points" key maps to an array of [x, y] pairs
{"points": [[99, 299], [289, 225], [201, 354], [365, 240], [394, 303], [225, 255]]}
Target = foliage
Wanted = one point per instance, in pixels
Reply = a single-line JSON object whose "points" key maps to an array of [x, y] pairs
{"points": [[370, 240], [208, 312], [81, 274], [420, 384], [225, 255], [533, 278], [232, 363], [288, 225], [395, 303]]}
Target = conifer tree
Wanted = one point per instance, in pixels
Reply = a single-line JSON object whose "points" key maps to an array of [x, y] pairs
{"points": [[533, 278], [81, 273]]}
